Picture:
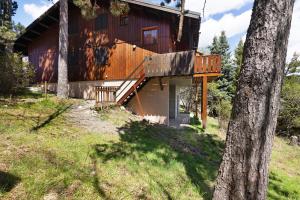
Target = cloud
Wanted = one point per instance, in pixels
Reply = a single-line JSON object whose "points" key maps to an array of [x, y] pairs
{"points": [[238, 24], [216, 6], [35, 10], [232, 25]]}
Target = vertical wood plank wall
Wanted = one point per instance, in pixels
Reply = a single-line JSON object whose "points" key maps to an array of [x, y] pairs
{"points": [[120, 40]]}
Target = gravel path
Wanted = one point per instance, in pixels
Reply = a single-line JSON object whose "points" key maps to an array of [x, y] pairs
{"points": [[83, 116]]}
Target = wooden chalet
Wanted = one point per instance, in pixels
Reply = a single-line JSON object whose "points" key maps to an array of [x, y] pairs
{"points": [[132, 60]]}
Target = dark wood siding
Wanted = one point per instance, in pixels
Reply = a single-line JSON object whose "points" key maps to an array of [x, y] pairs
{"points": [[124, 44], [43, 54]]}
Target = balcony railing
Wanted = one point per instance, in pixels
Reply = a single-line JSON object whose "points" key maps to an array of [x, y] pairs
{"points": [[207, 64], [182, 63]]}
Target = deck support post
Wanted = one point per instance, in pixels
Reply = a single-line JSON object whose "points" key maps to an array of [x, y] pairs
{"points": [[204, 101], [197, 95]]}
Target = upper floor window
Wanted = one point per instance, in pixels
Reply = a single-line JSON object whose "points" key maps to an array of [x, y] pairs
{"points": [[150, 35], [124, 20], [101, 22]]}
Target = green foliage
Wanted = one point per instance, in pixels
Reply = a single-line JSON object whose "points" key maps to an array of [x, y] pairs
{"points": [[88, 8], [238, 59], [219, 104], [220, 46], [118, 8], [294, 66], [7, 10], [14, 73], [7, 36], [177, 3], [18, 28], [289, 116]]}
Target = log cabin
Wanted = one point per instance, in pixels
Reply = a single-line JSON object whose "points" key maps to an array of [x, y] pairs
{"points": [[132, 60]]}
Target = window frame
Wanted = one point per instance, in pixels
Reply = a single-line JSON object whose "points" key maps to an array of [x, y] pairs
{"points": [[124, 16], [150, 28]]}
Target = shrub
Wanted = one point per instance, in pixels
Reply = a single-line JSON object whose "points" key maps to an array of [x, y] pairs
{"points": [[219, 104], [289, 115], [14, 73]]}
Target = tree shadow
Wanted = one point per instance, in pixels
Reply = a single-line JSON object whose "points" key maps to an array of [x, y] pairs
{"points": [[199, 153], [8, 181], [60, 110]]}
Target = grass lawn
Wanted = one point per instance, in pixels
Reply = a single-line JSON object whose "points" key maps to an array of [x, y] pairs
{"points": [[45, 155]]}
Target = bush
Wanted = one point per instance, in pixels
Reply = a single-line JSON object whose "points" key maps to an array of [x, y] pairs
{"points": [[14, 73], [289, 115], [219, 104]]}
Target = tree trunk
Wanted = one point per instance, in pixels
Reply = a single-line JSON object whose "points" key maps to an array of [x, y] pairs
{"points": [[243, 173], [62, 83], [181, 20]]}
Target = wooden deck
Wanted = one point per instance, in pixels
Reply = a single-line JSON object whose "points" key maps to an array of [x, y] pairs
{"points": [[182, 64]]}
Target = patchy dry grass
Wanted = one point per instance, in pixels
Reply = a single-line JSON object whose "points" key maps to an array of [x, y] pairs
{"points": [[45, 154]]}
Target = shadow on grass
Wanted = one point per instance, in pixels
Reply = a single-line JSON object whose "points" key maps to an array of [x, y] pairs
{"points": [[24, 93], [199, 153], [59, 110], [8, 181]]}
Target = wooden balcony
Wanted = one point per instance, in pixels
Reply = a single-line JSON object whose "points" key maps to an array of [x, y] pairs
{"points": [[182, 64]]}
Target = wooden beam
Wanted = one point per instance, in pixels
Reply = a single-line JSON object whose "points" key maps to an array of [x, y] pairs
{"points": [[35, 32], [26, 38], [53, 18], [161, 84], [43, 25], [208, 74], [19, 44], [139, 101], [204, 102]]}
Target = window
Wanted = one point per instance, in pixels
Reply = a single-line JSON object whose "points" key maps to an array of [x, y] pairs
{"points": [[124, 20], [101, 22], [150, 36]]}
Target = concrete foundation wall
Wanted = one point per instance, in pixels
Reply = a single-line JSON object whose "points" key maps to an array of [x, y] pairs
{"points": [[154, 101], [86, 90]]}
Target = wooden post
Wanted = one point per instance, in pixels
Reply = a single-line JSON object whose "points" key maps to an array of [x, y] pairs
{"points": [[45, 89], [204, 102], [139, 102], [196, 99]]}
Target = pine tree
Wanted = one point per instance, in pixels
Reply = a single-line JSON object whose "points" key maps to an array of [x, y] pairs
{"points": [[220, 46], [294, 66], [7, 10], [238, 58]]}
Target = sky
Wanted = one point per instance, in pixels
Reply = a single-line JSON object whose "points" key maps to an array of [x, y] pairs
{"points": [[232, 16]]}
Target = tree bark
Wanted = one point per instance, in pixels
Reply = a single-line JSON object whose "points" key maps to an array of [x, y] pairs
{"points": [[243, 173], [181, 20], [62, 82]]}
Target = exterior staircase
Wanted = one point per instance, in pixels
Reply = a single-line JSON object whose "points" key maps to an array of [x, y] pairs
{"points": [[128, 89], [133, 90]]}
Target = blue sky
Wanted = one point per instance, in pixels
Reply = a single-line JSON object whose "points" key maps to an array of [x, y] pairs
{"points": [[233, 16]]}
